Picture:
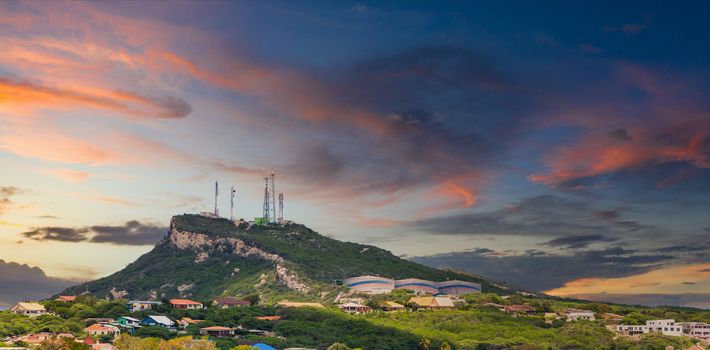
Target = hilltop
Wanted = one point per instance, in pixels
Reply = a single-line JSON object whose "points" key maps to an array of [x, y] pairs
{"points": [[205, 257]]}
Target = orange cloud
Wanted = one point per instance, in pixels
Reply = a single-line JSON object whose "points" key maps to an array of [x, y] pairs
{"points": [[32, 95], [668, 280], [55, 147], [69, 175], [599, 154]]}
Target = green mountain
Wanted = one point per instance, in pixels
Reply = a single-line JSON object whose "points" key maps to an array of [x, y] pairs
{"points": [[205, 257]]}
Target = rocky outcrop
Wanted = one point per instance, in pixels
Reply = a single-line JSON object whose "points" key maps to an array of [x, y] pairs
{"points": [[185, 287], [203, 244], [117, 294]]}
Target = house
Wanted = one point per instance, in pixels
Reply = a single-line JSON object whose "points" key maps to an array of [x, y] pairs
{"points": [[392, 306], [157, 320], [66, 298], [665, 327], [518, 309], [102, 329], [37, 338], [186, 321], [285, 303], [29, 309], [185, 304], [268, 318], [97, 346], [577, 314], [354, 308], [227, 302], [631, 329], [217, 331], [432, 302], [698, 330], [140, 305], [128, 321]]}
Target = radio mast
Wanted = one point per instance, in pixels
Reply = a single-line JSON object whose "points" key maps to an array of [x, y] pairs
{"points": [[216, 194], [232, 193]]}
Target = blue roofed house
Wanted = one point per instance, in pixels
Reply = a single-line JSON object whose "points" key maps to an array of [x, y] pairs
{"points": [[157, 320], [262, 346]]}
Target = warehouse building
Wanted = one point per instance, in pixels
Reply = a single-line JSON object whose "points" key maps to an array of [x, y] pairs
{"points": [[381, 285], [370, 284], [417, 285], [457, 287]]}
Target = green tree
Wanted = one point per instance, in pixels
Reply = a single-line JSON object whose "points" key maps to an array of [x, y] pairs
{"points": [[425, 343], [445, 346], [253, 298], [338, 346]]}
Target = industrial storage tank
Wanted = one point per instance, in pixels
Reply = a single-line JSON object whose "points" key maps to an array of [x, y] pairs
{"points": [[417, 285], [456, 287], [370, 284]]}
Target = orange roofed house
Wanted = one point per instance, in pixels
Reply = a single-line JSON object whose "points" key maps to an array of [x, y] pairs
{"points": [[102, 329], [185, 304]]}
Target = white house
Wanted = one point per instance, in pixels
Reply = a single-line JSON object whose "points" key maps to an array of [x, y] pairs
{"points": [[157, 320], [666, 327], [577, 314], [140, 305], [29, 309], [631, 329], [699, 330]]}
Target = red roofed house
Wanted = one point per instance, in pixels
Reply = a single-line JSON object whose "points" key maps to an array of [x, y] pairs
{"points": [[226, 302], [185, 304], [217, 331], [66, 298]]}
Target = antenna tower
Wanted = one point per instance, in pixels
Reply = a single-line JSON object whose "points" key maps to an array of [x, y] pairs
{"points": [[265, 215], [216, 194], [281, 207], [232, 192], [273, 196]]}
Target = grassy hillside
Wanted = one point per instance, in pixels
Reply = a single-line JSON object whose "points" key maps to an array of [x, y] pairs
{"points": [[317, 259]]}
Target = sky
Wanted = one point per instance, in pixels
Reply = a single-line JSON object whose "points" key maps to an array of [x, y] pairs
{"points": [[563, 147]]}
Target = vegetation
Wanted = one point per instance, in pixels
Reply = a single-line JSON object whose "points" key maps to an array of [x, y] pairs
{"points": [[126, 342], [319, 260]]}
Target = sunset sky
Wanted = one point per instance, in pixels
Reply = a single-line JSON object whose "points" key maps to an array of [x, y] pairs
{"points": [[561, 147]]}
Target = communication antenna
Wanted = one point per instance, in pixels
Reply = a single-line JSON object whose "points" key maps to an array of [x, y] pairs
{"points": [[216, 194], [273, 195], [281, 207], [232, 193], [265, 215]]}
